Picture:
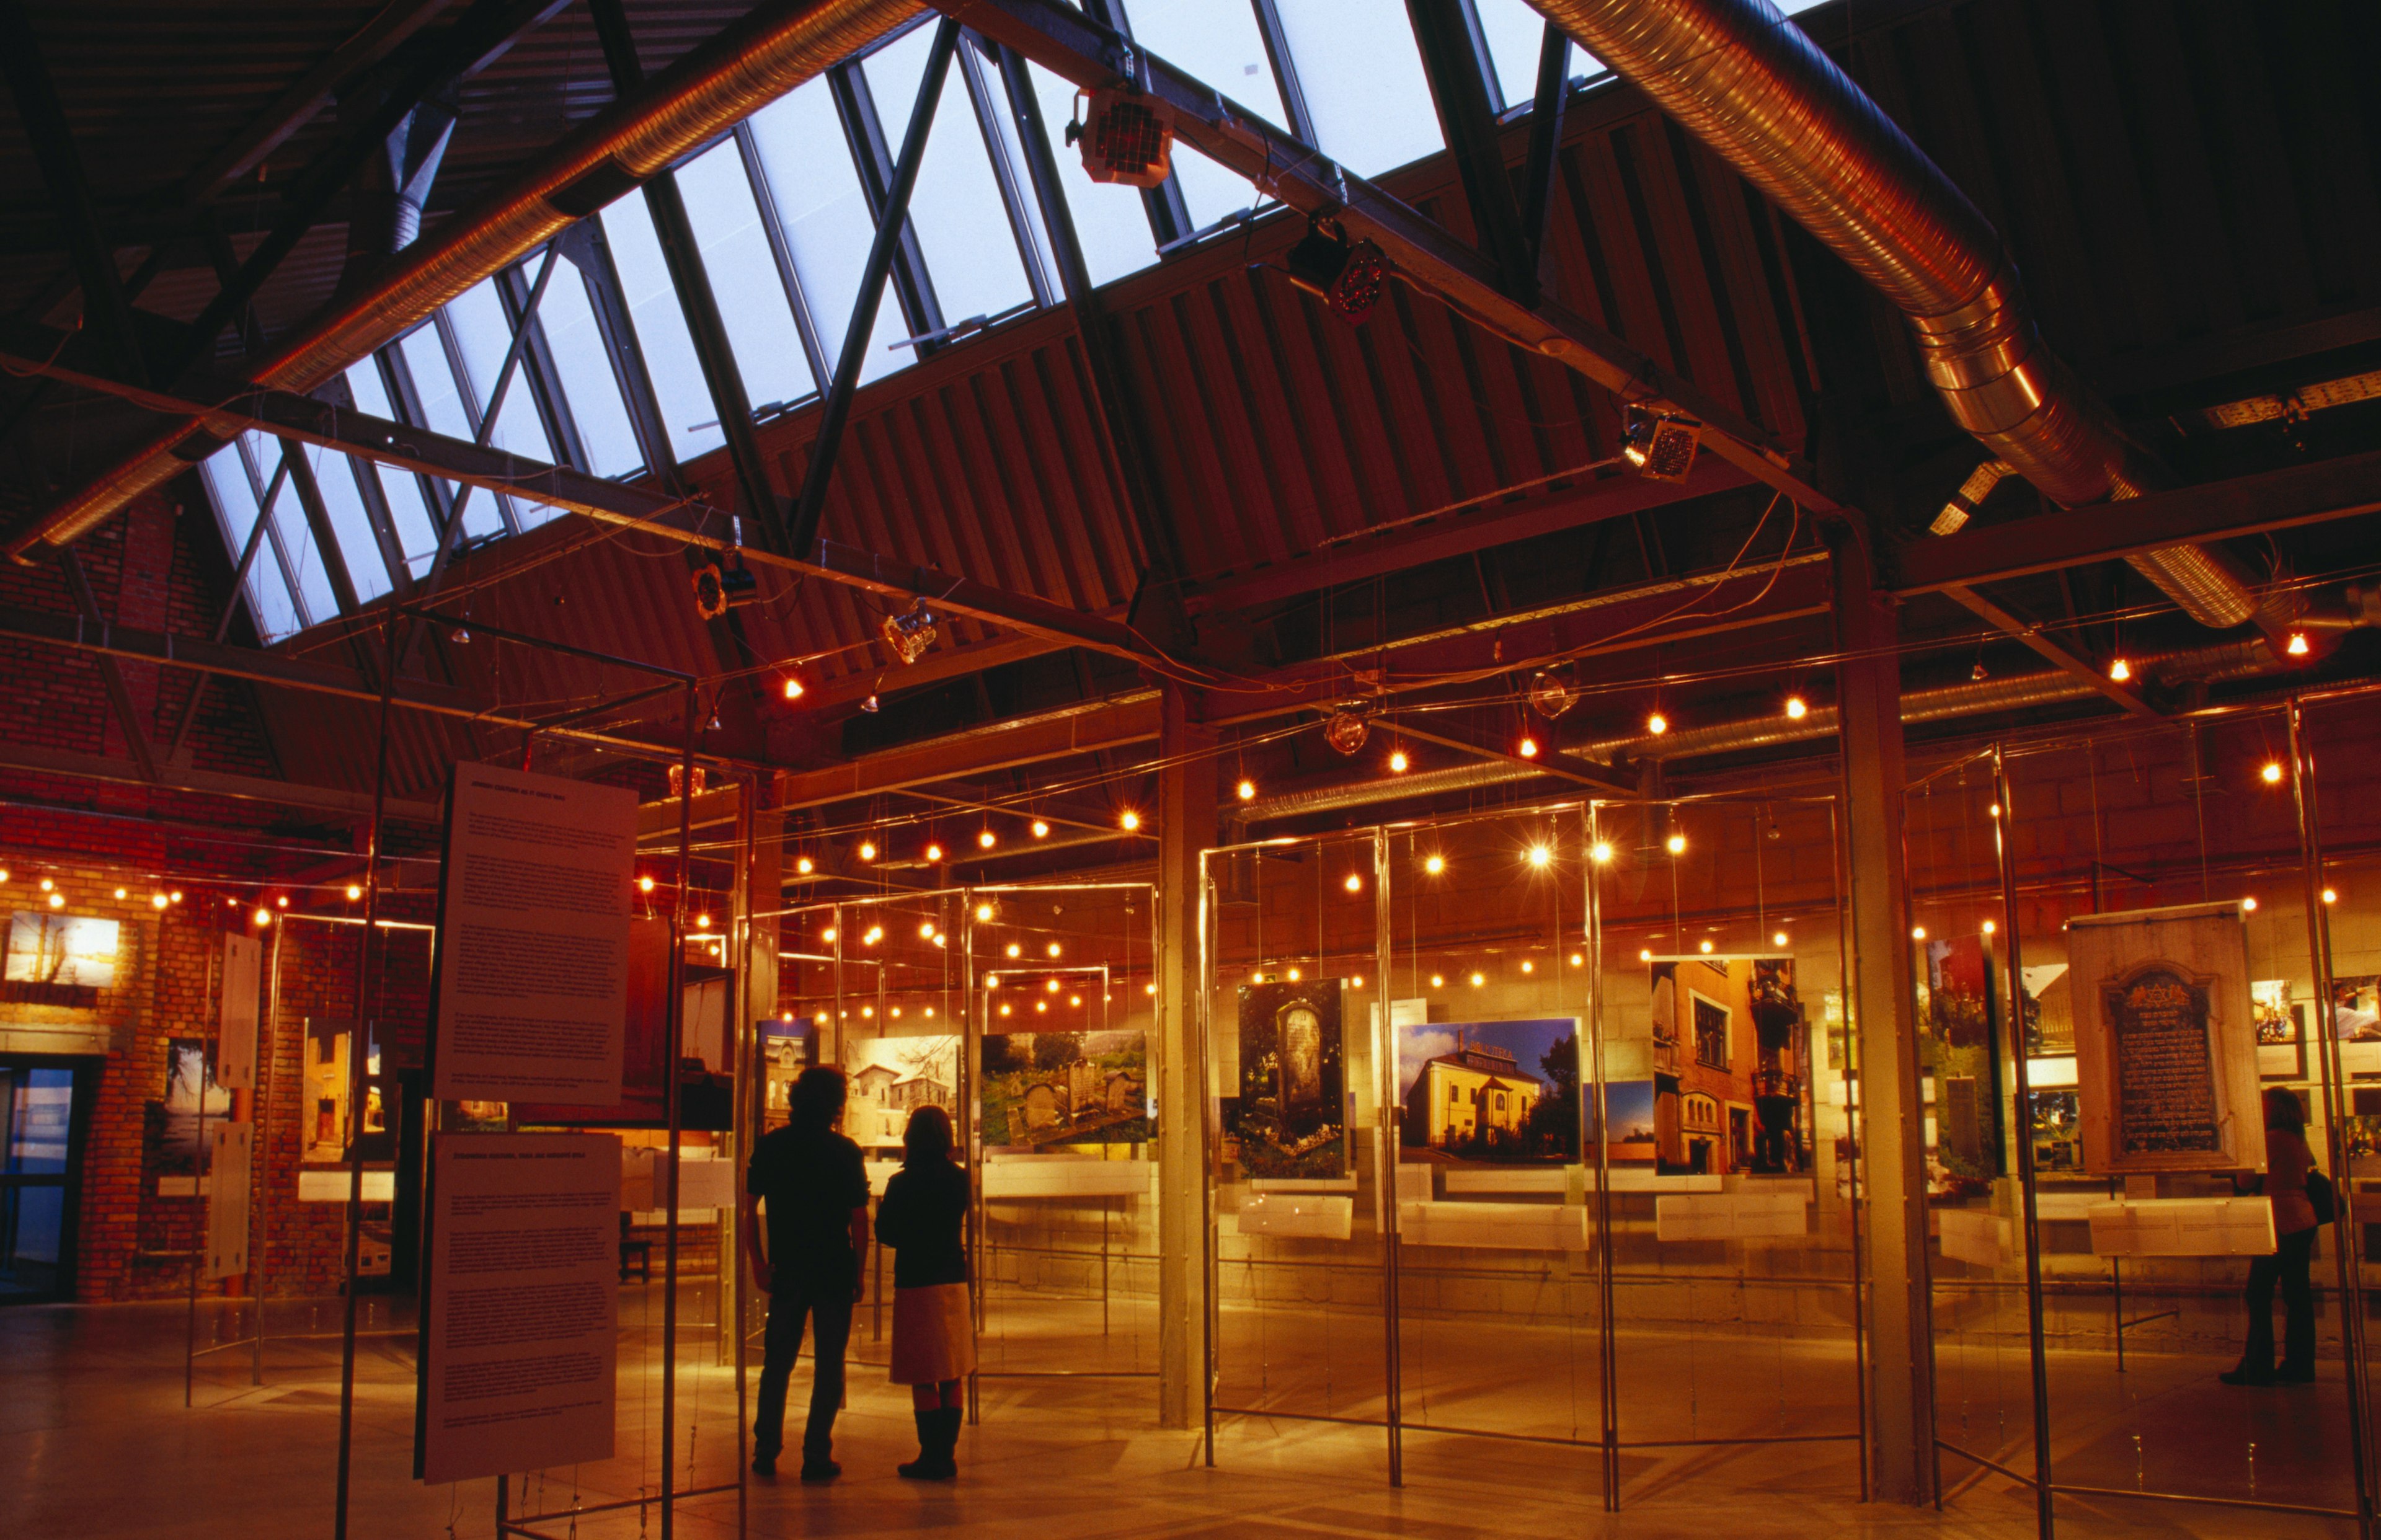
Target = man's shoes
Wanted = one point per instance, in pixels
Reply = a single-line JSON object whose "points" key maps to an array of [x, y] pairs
{"points": [[816, 1471], [2246, 1376], [765, 1465]]}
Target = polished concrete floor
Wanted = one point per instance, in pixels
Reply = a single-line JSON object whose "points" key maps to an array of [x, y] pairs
{"points": [[95, 1442]]}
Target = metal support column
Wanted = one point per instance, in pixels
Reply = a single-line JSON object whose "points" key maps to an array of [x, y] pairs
{"points": [[1186, 824], [1454, 57], [1546, 140], [2004, 860], [1881, 1005]]}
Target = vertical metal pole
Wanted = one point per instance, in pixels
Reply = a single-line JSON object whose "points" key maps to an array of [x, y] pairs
{"points": [[1385, 1150], [747, 1080], [670, 1091], [1607, 1374], [199, 1232], [2117, 1295], [2343, 1226], [1855, 1127], [357, 1057], [261, 1238], [2043, 1498], [971, 1149], [1210, 1272]]}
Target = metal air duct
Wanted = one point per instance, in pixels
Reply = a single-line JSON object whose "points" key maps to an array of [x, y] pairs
{"points": [[704, 95], [1749, 84]]}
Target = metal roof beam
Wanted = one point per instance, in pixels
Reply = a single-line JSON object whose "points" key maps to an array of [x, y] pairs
{"points": [[1063, 40], [2032, 634]]}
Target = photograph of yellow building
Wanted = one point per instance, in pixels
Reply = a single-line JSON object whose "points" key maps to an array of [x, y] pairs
{"points": [[1491, 1090]]}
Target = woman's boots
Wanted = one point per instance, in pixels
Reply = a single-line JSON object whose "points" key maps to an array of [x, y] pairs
{"points": [[938, 1439]]}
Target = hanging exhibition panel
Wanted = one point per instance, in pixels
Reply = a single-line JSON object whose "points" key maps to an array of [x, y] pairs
{"points": [[2166, 1046], [1289, 1120]]}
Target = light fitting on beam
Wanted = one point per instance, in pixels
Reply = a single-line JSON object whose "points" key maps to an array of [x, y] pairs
{"points": [[1658, 446], [1551, 694], [1125, 139], [1346, 728], [911, 632], [1347, 276]]}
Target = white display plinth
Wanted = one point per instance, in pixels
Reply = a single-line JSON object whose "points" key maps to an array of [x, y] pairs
{"points": [[1731, 1216], [1301, 1214], [2184, 1227], [1057, 1176], [1497, 1226]]}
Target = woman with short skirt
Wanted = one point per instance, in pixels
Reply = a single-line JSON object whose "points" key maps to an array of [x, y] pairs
{"points": [[923, 1217]]}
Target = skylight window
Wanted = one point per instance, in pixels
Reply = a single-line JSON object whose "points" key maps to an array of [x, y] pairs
{"points": [[1217, 41], [744, 277], [576, 344], [441, 411], [235, 502], [824, 215], [416, 532], [350, 525], [1362, 76], [662, 336]]}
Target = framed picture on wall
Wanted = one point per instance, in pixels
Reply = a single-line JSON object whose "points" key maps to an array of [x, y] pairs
{"points": [[2281, 1030]]}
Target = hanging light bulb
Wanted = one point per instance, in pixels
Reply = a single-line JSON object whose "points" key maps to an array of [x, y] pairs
{"points": [[826, 937], [1527, 747], [1434, 863], [1346, 728], [1977, 673], [793, 687], [644, 885], [1705, 945], [2297, 645], [926, 930], [1246, 789], [1600, 852], [987, 839], [1796, 708], [983, 913], [805, 865], [1354, 884], [933, 853], [1657, 723], [868, 849], [1437, 980], [1398, 762], [355, 891], [1129, 820], [1676, 844], [2120, 670], [1040, 830], [2272, 771], [1052, 949], [1540, 854]]}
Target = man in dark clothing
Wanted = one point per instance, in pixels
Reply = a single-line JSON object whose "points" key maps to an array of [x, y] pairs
{"points": [[811, 1264]]}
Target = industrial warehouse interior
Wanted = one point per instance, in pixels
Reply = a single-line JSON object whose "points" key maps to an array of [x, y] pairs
{"points": [[1325, 767]]}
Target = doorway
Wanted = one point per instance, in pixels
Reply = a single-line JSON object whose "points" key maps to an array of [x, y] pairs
{"points": [[43, 1111]]}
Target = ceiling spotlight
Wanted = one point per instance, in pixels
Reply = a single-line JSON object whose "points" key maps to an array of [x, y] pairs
{"points": [[868, 849], [1398, 762], [1676, 844], [1354, 883], [1796, 708], [1657, 723], [1658, 446], [933, 853], [1600, 852], [1346, 728], [986, 838], [2120, 670], [1246, 789], [1129, 820], [793, 687], [1540, 854], [870, 704], [1705, 945], [1040, 830], [1346, 276], [805, 866], [1527, 747], [1433, 864], [911, 632], [1551, 694], [2297, 645], [2272, 771], [1977, 673], [644, 885]]}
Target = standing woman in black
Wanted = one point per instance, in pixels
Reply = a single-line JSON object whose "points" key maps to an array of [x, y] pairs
{"points": [[923, 1218]]}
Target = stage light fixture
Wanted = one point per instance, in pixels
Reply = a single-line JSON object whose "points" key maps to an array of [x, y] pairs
{"points": [[1796, 708], [1551, 694], [1125, 138], [2272, 771], [1246, 789], [1346, 728], [1657, 723], [1346, 276], [911, 632], [2120, 670], [1657, 445]]}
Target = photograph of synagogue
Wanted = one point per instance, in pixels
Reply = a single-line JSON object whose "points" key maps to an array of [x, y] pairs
{"points": [[1093, 769]]}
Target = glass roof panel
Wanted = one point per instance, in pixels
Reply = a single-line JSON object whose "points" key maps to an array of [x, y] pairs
{"points": [[1217, 41], [825, 217], [962, 226], [576, 345], [484, 336], [744, 277], [416, 532], [662, 336], [1514, 33], [335, 475], [235, 504], [442, 410], [1363, 78], [315, 600]]}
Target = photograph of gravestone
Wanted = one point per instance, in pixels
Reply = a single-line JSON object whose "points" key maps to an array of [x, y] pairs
{"points": [[1960, 1051], [2165, 1041], [1290, 1121], [1064, 1090], [1500, 1092]]}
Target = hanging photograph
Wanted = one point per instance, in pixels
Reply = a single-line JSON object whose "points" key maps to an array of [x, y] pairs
{"points": [[890, 1078], [1960, 1052], [1064, 1090], [787, 1050], [1496, 1093], [2281, 1030], [1630, 1106], [59, 959], [180, 1147], [1731, 1068], [1290, 1121], [2165, 1041]]}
